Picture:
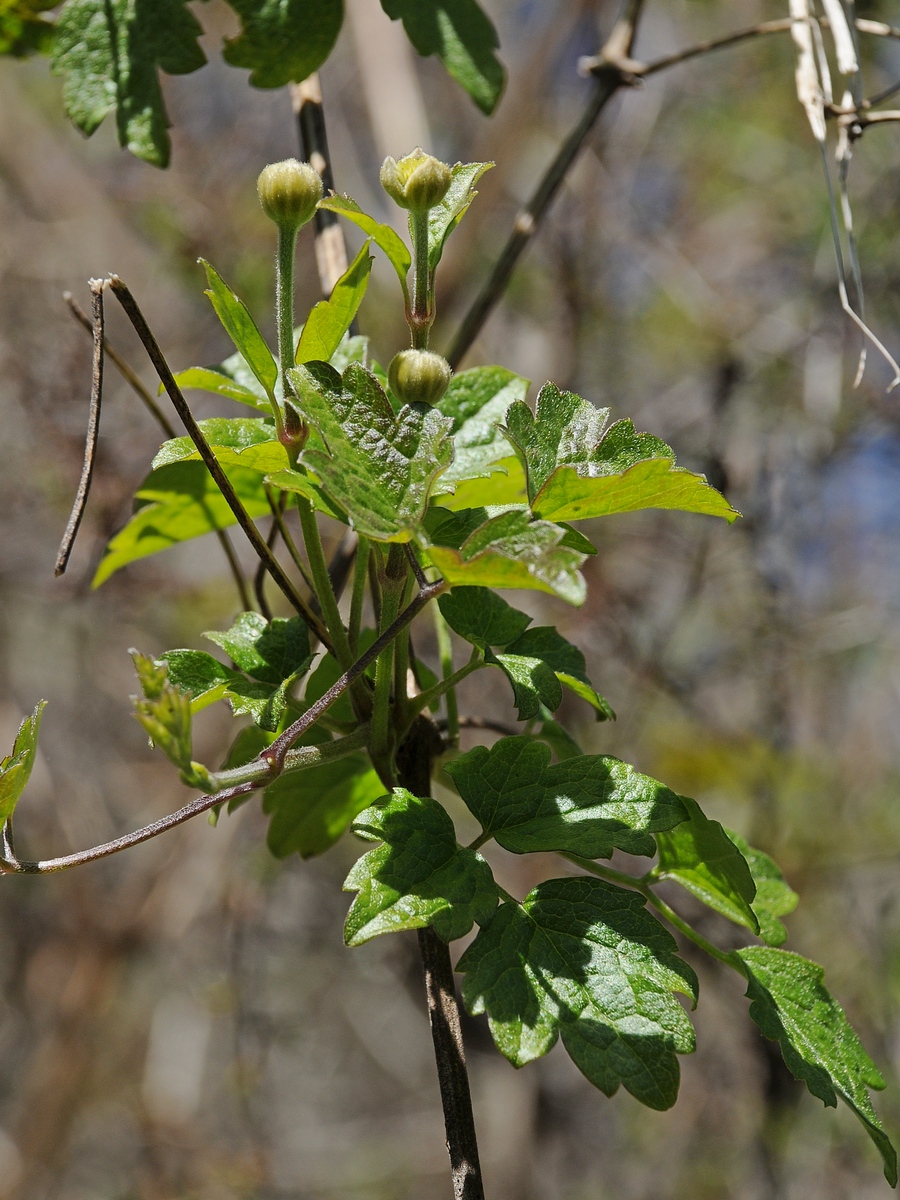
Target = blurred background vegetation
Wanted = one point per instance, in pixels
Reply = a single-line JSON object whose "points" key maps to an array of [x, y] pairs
{"points": [[183, 1021]]}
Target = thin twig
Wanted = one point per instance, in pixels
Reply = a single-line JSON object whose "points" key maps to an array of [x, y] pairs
{"points": [[481, 723], [128, 302], [149, 401], [421, 578], [93, 430], [614, 70]]}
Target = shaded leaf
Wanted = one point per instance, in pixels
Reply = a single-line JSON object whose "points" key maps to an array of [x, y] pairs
{"points": [[587, 805], [482, 617], [289, 480], [311, 808], [774, 898], [701, 856], [382, 235], [577, 468], [241, 328], [269, 651], [379, 467], [418, 877], [566, 661], [508, 550], [583, 959], [533, 683], [791, 1005], [16, 767], [283, 41], [557, 737], [110, 52], [461, 34], [174, 504], [23, 30], [330, 319]]}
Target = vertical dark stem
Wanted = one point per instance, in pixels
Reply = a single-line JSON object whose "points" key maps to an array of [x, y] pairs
{"points": [[414, 762]]}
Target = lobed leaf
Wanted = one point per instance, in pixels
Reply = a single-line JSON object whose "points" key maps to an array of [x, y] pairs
{"points": [[461, 34], [482, 617], [377, 466], [330, 319], [383, 236], [16, 767], [533, 683], [241, 328], [508, 550], [583, 959], [576, 468], [269, 651], [774, 898], [701, 856], [110, 53], [418, 877], [283, 41], [588, 805], [311, 808], [174, 504], [791, 1005], [477, 401]]}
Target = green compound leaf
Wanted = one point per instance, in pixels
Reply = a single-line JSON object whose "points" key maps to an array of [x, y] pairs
{"points": [[15, 768], [444, 217], [791, 1005], [532, 681], [110, 52], [508, 550], [460, 33], [383, 236], [23, 31], [774, 898], [283, 41], [206, 379], [241, 328], [583, 958], [575, 470], [418, 877], [269, 651], [482, 617], [175, 504], [198, 674], [311, 808], [701, 856], [588, 805], [565, 661], [330, 319], [379, 467], [484, 463]]}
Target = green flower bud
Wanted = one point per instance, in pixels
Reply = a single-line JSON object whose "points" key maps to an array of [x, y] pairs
{"points": [[419, 376], [289, 192], [417, 182]]}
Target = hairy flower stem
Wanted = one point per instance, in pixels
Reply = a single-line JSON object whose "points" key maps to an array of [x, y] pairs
{"points": [[284, 307], [422, 317], [445, 650]]}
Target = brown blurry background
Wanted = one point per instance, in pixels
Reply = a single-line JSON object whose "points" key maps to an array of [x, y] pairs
{"points": [[183, 1021]]}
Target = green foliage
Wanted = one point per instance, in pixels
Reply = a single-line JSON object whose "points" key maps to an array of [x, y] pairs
{"points": [[444, 217], [15, 768], [705, 860], [330, 319], [165, 713], [174, 504], [575, 470], [23, 28], [283, 40], [462, 36], [418, 877], [583, 959], [477, 401], [533, 683], [378, 466], [242, 330], [205, 379], [110, 52], [382, 235], [311, 808], [508, 550], [791, 1005], [588, 805], [482, 617], [774, 898]]}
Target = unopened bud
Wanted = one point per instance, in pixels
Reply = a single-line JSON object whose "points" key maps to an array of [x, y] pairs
{"points": [[289, 192], [419, 376], [417, 182]]}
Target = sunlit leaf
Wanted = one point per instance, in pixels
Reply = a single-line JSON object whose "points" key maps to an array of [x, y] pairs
{"points": [[16, 767], [330, 319], [283, 41]]}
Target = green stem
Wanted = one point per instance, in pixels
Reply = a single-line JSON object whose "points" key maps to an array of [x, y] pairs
{"points": [[445, 650], [360, 573], [324, 591], [424, 699], [382, 743], [284, 303], [306, 756], [422, 316]]}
